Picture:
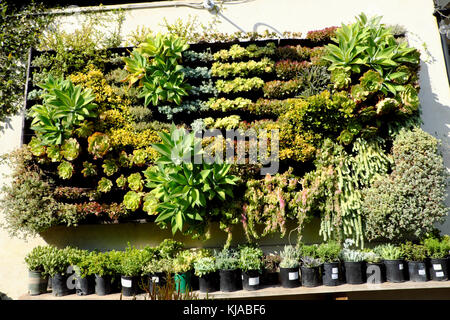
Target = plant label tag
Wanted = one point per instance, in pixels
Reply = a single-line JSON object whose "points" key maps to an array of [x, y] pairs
{"points": [[126, 283], [334, 270], [253, 281], [439, 274], [400, 266], [334, 276], [422, 272], [293, 275], [155, 279], [242, 276], [437, 267]]}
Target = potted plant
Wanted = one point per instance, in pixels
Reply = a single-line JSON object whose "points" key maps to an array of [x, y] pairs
{"points": [[289, 267], [101, 266], [182, 266], [131, 267], [250, 262], [310, 270], [115, 258], [197, 253], [328, 253], [393, 260], [437, 251], [38, 280], [85, 280], [56, 263], [271, 268], [157, 272], [376, 270], [227, 261], [206, 269], [415, 255], [354, 264]]}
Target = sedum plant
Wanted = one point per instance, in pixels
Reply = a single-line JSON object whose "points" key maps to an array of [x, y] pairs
{"points": [[310, 262], [65, 170]]}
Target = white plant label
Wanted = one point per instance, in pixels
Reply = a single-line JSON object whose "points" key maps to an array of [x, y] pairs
{"points": [[437, 267], [126, 283], [293, 275], [439, 274], [400, 266], [422, 272], [253, 281], [155, 279], [334, 276], [335, 270]]}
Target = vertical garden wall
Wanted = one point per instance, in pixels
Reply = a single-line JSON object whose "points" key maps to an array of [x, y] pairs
{"points": [[352, 162]]}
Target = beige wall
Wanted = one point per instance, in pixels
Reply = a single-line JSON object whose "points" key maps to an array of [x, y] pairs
{"points": [[283, 15]]}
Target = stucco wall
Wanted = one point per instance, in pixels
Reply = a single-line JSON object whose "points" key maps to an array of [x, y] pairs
{"points": [[283, 15]]}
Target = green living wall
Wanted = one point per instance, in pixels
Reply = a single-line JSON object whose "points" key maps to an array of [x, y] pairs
{"points": [[104, 134]]}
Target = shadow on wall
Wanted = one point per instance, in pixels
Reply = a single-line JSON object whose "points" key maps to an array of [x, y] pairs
{"points": [[436, 117], [3, 296], [116, 236]]}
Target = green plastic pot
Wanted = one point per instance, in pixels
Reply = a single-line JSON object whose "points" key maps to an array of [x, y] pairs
{"points": [[37, 283], [183, 282]]}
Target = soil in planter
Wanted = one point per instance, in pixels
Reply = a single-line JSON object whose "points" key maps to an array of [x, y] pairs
{"points": [[376, 273], [289, 277], [311, 277], [332, 274], [355, 272], [417, 271], [230, 280], [59, 285], [250, 280], [37, 283], [130, 286], [209, 282], [395, 270], [439, 269], [85, 286], [103, 285]]}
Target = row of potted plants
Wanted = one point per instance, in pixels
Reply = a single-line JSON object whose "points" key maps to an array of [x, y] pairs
{"points": [[246, 267]]}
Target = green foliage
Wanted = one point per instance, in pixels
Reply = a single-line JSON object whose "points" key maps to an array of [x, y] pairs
{"points": [[282, 89], [289, 69], [70, 149], [389, 251], [371, 256], [242, 69], [132, 200], [182, 187], [227, 259], [169, 248], [100, 264], [99, 144], [349, 254], [271, 262], [135, 182], [407, 203], [413, 252], [239, 85], [89, 169], [289, 257], [65, 106], [237, 52], [35, 259], [310, 262], [132, 262], [329, 251], [56, 261], [110, 167], [437, 248], [204, 266], [183, 261], [250, 258]]}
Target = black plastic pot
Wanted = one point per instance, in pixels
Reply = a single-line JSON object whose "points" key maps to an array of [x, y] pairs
{"points": [[375, 273], [289, 277], [116, 286], [209, 282], [158, 279], [195, 282], [59, 285], [417, 271], [230, 280], [250, 280], [311, 276], [270, 278], [130, 285], [355, 272], [331, 274], [85, 286], [439, 269], [103, 285], [395, 270], [37, 283]]}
